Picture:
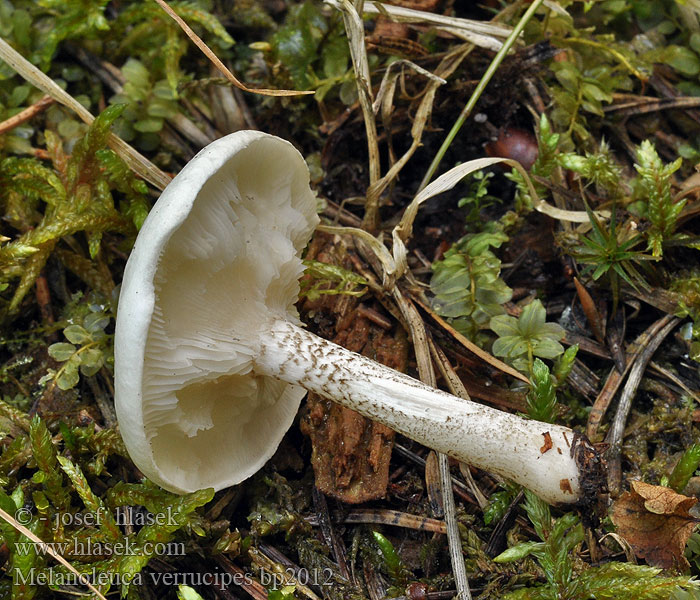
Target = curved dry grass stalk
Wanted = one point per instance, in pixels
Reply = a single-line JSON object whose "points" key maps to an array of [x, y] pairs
{"points": [[220, 65]]}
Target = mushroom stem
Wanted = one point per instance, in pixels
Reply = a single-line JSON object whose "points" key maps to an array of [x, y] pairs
{"points": [[551, 460]]}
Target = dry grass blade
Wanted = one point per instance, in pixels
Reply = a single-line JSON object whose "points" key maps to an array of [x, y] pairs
{"points": [[484, 35], [458, 565], [138, 163], [377, 246], [219, 65], [355, 31], [419, 338], [427, 375], [471, 346], [403, 231], [83, 579], [612, 383], [446, 67], [388, 84], [448, 180], [617, 428]]}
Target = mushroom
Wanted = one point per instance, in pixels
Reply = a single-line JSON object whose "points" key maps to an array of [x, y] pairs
{"points": [[212, 361]]}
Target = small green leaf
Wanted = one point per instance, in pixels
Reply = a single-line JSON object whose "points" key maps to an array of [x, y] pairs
{"points": [[683, 59], [95, 322], [68, 377], [518, 552], [532, 318], [335, 57], [547, 348], [152, 125], [509, 346], [185, 592], [505, 325], [61, 351], [77, 334], [91, 361]]}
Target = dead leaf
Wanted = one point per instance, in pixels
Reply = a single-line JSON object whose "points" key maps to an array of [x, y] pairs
{"points": [[655, 522]]}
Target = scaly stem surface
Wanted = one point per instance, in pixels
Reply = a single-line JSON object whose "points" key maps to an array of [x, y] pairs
{"points": [[540, 456]]}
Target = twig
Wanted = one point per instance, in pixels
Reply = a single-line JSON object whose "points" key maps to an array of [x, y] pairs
{"points": [[265, 562], [136, 161], [43, 299], [615, 378], [647, 105], [673, 378], [103, 403], [332, 540], [583, 380], [341, 215], [25, 115], [389, 517], [617, 428], [254, 588], [458, 487]]}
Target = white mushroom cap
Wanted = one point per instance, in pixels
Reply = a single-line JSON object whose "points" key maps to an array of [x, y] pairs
{"points": [[216, 258]]}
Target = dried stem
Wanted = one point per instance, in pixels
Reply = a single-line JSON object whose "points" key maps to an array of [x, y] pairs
{"points": [[217, 62], [25, 115], [618, 425]]}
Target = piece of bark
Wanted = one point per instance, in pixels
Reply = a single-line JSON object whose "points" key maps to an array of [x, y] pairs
{"points": [[350, 454]]}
